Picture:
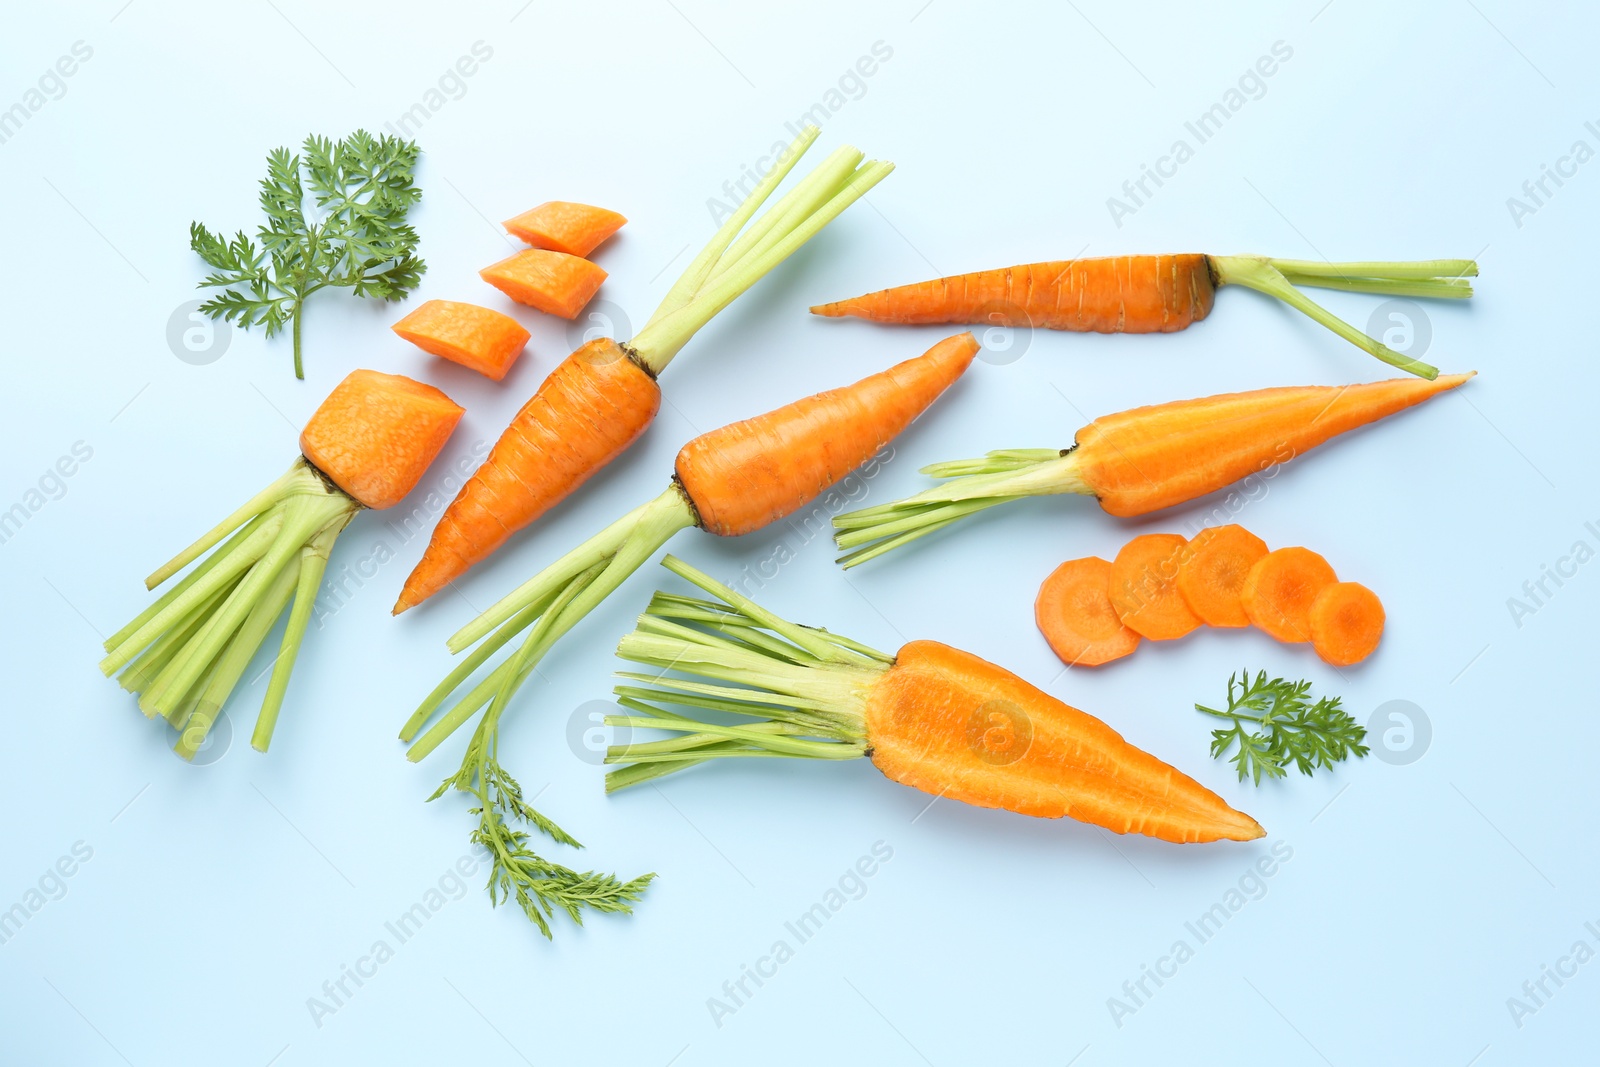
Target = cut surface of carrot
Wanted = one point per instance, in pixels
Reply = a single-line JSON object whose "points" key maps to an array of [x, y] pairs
{"points": [[476, 337], [376, 434], [554, 282], [1213, 573], [1346, 622], [562, 226], [1144, 587], [1278, 593], [1075, 614]]}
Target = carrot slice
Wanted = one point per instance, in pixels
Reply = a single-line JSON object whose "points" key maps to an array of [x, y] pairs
{"points": [[1144, 587], [562, 226], [1075, 614], [475, 337], [376, 434], [1212, 575], [553, 282], [1280, 588], [1346, 622]]}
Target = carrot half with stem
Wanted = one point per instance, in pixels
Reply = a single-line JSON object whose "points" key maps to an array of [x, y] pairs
{"points": [[1141, 460], [931, 717], [1155, 294], [601, 398], [728, 482]]}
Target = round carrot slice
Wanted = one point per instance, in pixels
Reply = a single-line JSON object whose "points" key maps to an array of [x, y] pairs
{"points": [[1278, 592], [1075, 615], [1144, 587], [1346, 622], [1214, 571]]}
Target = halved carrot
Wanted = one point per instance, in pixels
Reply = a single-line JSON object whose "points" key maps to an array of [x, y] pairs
{"points": [[1346, 623], [475, 337], [1075, 614], [563, 226], [376, 434], [1214, 571], [1144, 587], [1279, 591], [554, 282]]}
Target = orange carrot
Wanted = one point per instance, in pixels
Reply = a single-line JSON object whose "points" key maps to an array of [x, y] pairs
{"points": [[1141, 460], [1280, 588], [475, 337], [1152, 294], [576, 229], [1144, 587], [931, 717], [553, 282], [1213, 573], [602, 397], [1346, 622], [1075, 614], [366, 445]]}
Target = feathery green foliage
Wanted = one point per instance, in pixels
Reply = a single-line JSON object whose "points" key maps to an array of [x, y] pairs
{"points": [[1276, 722]]}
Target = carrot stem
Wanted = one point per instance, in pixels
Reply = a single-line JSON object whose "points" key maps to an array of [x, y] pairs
{"points": [[248, 510], [313, 563]]}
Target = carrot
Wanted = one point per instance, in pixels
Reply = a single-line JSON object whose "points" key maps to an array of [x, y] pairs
{"points": [[365, 446], [603, 396], [1143, 587], [553, 282], [1140, 460], [1280, 588], [1153, 294], [1346, 622], [1074, 612], [561, 226], [475, 337], [931, 717], [1213, 573], [727, 482]]}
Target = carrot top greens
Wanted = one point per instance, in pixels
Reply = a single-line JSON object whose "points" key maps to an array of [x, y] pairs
{"points": [[1276, 723]]}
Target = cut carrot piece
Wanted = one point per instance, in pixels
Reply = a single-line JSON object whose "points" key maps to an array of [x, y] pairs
{"points": [[1280, 588], [376, 434], [1144, 587], [1075, 614], [1346, 623], [553, 282], [1212, 575], [562, 226], [475, 337]]}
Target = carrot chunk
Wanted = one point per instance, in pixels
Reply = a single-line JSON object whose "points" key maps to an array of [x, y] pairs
{"points": [[1278, 593], [1346, 622], [562, 226], [475, 337], [1213, 574], [377, 433], [1075, 614], [554, 282], [1144, 587]]}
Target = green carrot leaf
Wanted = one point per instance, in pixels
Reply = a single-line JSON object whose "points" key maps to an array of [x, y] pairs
{"points": [[1276, 723]]}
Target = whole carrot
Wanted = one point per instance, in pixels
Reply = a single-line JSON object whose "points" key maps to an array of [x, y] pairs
{"points": [[1154, 294], [600, 398], [931, 717], [1140, 460]]}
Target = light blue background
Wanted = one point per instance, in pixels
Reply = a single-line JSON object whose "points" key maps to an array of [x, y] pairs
{"points": [[219, 898]]}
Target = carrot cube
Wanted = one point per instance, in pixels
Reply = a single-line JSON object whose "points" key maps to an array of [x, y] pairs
{"points": [[376, 434], [553, 282], [476, 337], [561, 226]]}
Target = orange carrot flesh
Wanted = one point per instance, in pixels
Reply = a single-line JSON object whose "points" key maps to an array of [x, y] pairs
{"points": [[748, 475], [1076, 616], [553, 282], [1346, 622], [1143, 585], [1278, 592], [562, 226], [475, 337], [376, 434], [1212, 574]]}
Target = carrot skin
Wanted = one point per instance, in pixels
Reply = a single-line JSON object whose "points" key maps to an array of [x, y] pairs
{"points": [[475, 337], [376, 434]]}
